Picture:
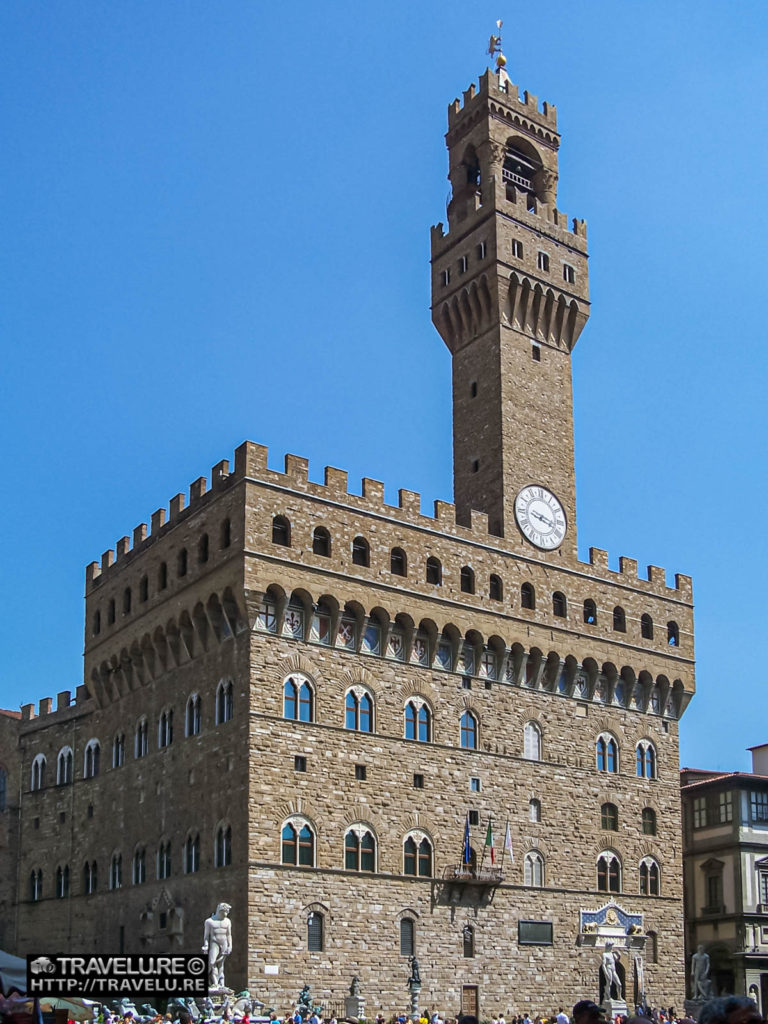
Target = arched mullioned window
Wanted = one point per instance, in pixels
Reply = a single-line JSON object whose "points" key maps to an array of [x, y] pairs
{"points": [[532, 741], [361, 552], [118, 750], [434, 571], [222, 847], [298, 843], [139, 875], [281, 531], [619, 620], [359, 849], [36, 885], [673, 634], [164, 860], [90, 877], [527, 596], [91, 759], [298, 699], [321, 542], [225, 702], [192, 853], [37, 775], [495, 588], [165, 728], [649, 877], [646, 627], [608, 872], [194, 716], [609, 817], [467, 580], [649, 821], [590, 612], [141, 739], [418, 721], [358, 710], [645, 760], [468, 731], [607, 753], [533, 868], [417, 855], [398, 562], [116, 871], [65, 767], [62, 882], [559, 605]]}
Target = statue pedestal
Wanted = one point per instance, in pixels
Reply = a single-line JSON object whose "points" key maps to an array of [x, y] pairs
{"points": [[693, 1007], [354, 1006], [615, 1007], [415, 989]]}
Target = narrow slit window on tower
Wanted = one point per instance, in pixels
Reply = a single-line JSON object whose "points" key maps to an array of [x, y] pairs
{"points": [[481, 250], [536, 353], [475, 465], [517, 248], [463, 264], [543, 261], [473, 389], [446, 277], [569, 274]]}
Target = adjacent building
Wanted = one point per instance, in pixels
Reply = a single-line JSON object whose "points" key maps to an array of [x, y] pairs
{"points": [[725, 830], [300, 699]]}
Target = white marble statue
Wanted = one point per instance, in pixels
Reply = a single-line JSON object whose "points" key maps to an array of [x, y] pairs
{"points": [[217, 943], [609, 972]]}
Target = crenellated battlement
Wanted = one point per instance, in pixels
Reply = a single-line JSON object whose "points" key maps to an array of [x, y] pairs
{"points": [[250, 463], [499, 86], [65, 707]]}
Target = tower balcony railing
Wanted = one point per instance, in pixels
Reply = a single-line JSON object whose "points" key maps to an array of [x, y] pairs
{"points": [[516, 179]]}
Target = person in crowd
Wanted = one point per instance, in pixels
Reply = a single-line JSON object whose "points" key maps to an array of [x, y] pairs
{"points": [[730, 1010]]}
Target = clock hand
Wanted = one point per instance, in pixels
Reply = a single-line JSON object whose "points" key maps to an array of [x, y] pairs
{"points": [[543, 518]]}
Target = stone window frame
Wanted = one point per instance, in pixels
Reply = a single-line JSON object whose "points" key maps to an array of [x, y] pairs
{"points": [[649, 872], [36, 885], [65, 766], [222, 845], [360, 830], [612, 868], [465, 733], [165, 728], [118, 750], [141, 738], [281, 531], [533, 869], [609, 817], [533, 741], [298, 823], [605, 745], [646, 760], [91, 758], [225, 700], [298, 681], [419, 705], [163, 860], [62, 881], [116, 870], [193, 715], [649, 821], [90, 878], [37, 773], [139, 865], [534, 809], [191, 855], [315, 931], [419, 837], [358, 692]]}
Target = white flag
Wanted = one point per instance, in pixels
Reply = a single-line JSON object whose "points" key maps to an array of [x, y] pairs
{"points": [[508, 844]]}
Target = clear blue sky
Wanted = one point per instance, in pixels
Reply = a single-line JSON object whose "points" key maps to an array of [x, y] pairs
{"points": [[215, 226]]}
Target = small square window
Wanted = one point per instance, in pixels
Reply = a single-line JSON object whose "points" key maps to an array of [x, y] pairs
{"points": [[569, 274], [360, 772], [517, 248], [665, 726], [299, 763], [474, 817], [474, 785], [543, 261], [466, 683], [536, 353], [418, 782]]}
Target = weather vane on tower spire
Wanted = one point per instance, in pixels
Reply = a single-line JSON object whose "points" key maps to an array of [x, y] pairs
{"points": [[494, 48]]}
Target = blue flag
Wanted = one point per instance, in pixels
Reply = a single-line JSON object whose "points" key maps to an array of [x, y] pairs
{"points": [[467, 851]]}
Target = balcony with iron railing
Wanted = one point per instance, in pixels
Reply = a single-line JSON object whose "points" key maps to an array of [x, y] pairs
{"points": [[512, 178], [465, 874]]}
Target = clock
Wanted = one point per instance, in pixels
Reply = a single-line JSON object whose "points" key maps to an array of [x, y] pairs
{"points": [[540, 517]]}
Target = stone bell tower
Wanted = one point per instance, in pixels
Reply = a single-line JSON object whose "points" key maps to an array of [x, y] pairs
{"points": [[510, 297]]}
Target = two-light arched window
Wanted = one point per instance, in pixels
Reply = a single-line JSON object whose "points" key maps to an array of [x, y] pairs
{"points": [[65, 767], [116, 871], [194, 719], [298, 843], [139, 866], [649, 877], [90, 877], [225, 702], [645, 760], [607, 753], [164, 860], [192, 853], [358, 711], [222, 847], [37, 775], [608, 872], [359, 850], [91, 759], [141, 739], [298, 699], [62, 882], [36, 885], [533, 869], [417, 856], [418, 721], [118, 750], [165, 728]]}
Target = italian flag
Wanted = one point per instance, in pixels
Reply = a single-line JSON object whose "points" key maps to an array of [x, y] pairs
{"points": [[489, 839]]}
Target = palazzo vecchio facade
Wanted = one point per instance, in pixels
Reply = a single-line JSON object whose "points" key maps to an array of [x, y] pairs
{"points": [[295, 697]]}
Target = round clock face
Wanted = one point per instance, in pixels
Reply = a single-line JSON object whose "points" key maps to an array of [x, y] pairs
{"points": [[541, 517]]}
